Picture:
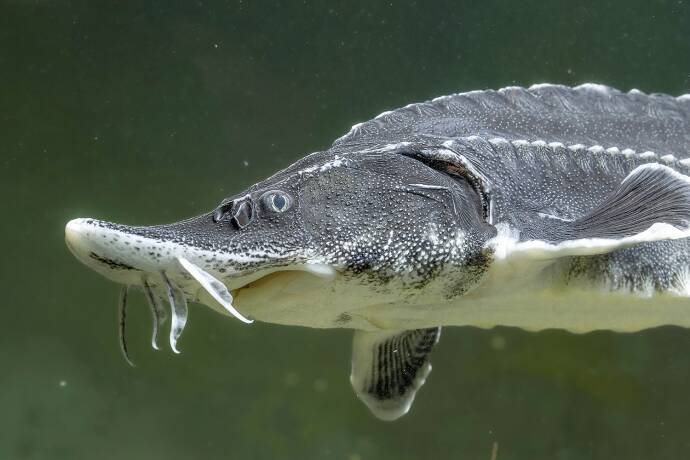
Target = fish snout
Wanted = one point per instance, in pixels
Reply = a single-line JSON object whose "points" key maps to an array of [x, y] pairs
{"points": [[147, 257], [134, 255], [112, 250]]}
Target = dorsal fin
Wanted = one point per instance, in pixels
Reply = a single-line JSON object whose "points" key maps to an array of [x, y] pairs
{"points": [[587, 114], [389, 367]]}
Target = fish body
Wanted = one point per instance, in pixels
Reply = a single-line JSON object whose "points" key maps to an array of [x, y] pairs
{"points": [[546, 207]]}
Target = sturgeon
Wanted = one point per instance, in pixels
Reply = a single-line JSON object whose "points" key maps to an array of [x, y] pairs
{"points": [[546, 207]]}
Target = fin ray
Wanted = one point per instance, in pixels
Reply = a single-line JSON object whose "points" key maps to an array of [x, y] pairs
{"points": [[389, 367]]}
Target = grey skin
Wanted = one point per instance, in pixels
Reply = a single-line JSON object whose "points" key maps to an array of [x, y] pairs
{"points": [[542, 207]]}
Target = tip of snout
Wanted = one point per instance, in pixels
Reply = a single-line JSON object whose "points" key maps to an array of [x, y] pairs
{"points": [[74, 227], [121, 253], [74, 234], [98, 247]]}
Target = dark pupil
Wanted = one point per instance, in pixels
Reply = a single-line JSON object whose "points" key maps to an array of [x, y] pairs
{"points": [[279, 202]]}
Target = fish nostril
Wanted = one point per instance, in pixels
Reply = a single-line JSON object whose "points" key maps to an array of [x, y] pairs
{"points": [[222, 210], [244, 214], [242, 211]]}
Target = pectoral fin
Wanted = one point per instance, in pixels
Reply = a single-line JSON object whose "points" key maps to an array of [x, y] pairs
{"points": [[389, 367], [651, 204]]}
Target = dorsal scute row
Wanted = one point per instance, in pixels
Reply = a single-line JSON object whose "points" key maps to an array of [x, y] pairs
{"points": [[513, 111], [595, 149]]}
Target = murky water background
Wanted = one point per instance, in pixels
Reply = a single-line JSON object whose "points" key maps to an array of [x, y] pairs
{"points": [[150, 113]]}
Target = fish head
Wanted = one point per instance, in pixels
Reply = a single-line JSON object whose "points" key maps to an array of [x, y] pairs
{"points": [[331, 235], [207, 257]]}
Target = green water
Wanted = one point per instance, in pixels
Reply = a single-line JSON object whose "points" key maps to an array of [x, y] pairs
{"points": [[147, 113]]}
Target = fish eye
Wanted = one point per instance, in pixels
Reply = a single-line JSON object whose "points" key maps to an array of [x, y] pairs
{"points": [[277, 201]]}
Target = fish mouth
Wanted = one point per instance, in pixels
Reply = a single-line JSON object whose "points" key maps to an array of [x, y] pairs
{"points": [[167, 269]]}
